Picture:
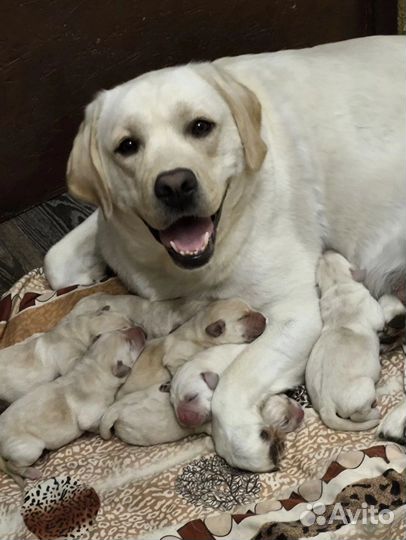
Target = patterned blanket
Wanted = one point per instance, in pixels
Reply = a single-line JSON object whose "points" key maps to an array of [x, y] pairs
{"points": [[330, 484]]}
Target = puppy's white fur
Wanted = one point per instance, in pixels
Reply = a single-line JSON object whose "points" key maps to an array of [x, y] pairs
{"points": [[58, 412], [157, 318], [146, 417], [43, 357], [224, 321], [392, 426], [330, 140], [344, 364], [193, 384]]}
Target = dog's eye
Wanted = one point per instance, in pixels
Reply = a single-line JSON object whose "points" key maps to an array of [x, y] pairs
{"points": [[200, 128], [128, 146]]}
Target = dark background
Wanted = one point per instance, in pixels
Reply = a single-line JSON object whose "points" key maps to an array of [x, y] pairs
{"points": [[54, 56]]}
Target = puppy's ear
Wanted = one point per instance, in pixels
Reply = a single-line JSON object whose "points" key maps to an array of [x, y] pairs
{"points": [[211, 379], [358, 274], [86, 177], [216, 328], [276, 440], [120, 370], [246, 111]]}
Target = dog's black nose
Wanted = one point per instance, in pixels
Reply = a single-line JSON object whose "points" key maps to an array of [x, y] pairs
{"points": [[176, 188]]}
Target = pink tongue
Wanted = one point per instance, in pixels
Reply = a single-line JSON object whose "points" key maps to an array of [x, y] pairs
{"points": [[188, 234]]}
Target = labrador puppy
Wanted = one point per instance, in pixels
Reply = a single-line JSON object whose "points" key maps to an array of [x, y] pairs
{"points": [[224, 321], [157, 318], [193, 385], [44, 357], [58, 412], [146, 417], [344, 364], [224, 179]]}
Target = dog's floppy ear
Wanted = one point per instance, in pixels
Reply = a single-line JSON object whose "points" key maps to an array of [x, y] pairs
{"points": [[86, 178], [120, 370], [216, 329], [211, 379], [246, 111]]}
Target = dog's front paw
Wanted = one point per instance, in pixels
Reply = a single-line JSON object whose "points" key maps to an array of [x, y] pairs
{"points": [[393, 425]]}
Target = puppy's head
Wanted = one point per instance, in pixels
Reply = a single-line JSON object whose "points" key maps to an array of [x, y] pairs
{"points": [[232, 321], [117, 351], [334, 268], [159, 153], [105, 320], [253, 446], [191, 393], [282, 413]]}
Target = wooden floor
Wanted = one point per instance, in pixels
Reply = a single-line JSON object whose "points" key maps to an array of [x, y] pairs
{"points": [[25, 239]]}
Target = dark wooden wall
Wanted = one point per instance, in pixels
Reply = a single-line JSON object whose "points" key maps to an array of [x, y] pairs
{"points": [[55, 54]]}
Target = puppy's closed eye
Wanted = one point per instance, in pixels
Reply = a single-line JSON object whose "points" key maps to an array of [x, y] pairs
{"points": [[216, 329]]}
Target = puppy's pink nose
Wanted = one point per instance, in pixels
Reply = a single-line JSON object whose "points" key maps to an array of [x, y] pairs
{"points": [[189, 417], [136, 334]]}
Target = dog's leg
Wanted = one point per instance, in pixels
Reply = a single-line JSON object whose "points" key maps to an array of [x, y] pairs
{"points": [[271, 364], [76, 259]]}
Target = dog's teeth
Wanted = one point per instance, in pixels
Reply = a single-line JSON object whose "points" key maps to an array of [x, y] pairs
{"points": [[182, 252], [206, 239], [173, 245]]}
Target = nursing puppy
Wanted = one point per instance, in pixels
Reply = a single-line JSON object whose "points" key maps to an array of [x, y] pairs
{"points": [[224, 321], [43, 357], [58, 412], [344, 364], [193, 385], [157, 318], [146, 417]]}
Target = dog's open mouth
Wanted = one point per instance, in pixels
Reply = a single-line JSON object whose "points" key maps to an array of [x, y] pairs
{"points": [[190, 240]]}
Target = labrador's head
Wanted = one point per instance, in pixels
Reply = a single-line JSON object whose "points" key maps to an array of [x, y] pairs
{"points": [[165, 148]]}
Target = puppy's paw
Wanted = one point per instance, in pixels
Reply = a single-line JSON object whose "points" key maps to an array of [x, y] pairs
{"points": [[393, 425], [31, 473]]}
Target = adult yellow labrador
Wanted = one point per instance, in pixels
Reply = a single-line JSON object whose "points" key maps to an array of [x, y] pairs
{"points": [[226, 179]]}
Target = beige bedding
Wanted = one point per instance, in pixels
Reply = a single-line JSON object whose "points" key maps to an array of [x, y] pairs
{"points": [[107, 489]]}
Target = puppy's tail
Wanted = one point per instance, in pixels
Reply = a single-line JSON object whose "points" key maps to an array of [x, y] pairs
{"points": [[107, 422], [329, 416]]}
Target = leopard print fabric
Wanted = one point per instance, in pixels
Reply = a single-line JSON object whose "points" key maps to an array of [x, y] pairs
{"points": [[60, 507], [384, 493]]}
